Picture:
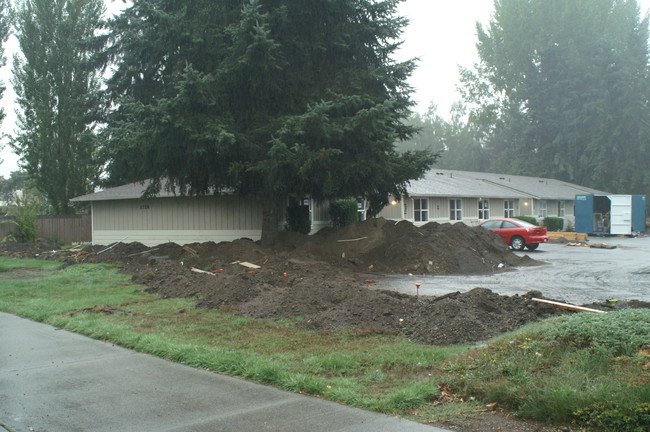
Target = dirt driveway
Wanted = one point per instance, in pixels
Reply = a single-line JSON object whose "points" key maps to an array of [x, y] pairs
{"points": [[573, 274]]}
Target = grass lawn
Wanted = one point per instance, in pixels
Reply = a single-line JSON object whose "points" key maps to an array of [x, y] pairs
{"points": [[542, 371]]}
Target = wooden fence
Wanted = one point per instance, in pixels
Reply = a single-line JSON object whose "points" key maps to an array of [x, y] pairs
{"points": [[62, 229]]}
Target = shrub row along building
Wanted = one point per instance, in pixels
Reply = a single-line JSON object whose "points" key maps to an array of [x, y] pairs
{"points": [[120, 214]]}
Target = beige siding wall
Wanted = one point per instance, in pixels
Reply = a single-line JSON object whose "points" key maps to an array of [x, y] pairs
{"points": [[569, 217], [496, 208], [470, 211], [569, 209], [527, 210], [156, 237], [392, 211], [439, 209], [181, 220]]}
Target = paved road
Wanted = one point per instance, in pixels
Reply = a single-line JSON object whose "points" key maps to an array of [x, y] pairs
{"points": [[52, 380], [572, 274]]}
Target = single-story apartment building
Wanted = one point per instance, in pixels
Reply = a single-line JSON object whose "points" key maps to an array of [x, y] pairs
{"points": [[121, 214], [472, 197]]}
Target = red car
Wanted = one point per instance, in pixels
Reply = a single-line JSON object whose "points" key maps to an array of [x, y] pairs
{"points": [[517, 233]]}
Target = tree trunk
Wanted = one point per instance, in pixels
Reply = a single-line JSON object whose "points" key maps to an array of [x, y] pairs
{"points": [[271, 213]]}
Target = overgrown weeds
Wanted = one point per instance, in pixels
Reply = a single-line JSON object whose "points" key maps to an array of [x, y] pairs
{"points": [[591, 369]]}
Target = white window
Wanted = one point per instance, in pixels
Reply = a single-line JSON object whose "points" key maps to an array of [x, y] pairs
{"points": [[421, 209], [560, 209], [543, 209], [484, 209], [455, 210], [509, 208]]}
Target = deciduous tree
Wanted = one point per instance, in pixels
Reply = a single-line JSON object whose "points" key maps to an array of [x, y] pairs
{"points": [[561, 90], [454, 140], [5, 26], [58, 86]]}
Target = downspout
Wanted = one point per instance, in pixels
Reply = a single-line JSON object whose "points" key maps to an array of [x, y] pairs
{"points": [[92, 222]]}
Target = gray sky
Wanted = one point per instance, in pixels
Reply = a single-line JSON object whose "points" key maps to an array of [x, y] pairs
{"points": [[441, 33]]}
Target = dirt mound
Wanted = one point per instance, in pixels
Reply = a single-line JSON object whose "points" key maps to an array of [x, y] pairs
{"points": [[376, 245], [401, 247], [330, 299], [324, 279]]}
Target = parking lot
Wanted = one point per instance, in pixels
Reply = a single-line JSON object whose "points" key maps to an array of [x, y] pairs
{"points": [[577, 275]]}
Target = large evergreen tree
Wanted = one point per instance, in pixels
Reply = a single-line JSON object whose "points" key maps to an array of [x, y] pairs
{"points": [[268, 99], [561, 90], [58, 86]]}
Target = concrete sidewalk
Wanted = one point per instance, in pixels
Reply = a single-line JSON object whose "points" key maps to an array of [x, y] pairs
{"points": [[52, 380]]}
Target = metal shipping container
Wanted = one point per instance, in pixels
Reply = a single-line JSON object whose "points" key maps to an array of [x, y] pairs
{"points": [[610, 214]]}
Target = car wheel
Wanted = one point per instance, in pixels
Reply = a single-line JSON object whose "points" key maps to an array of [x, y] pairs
{"points": [[517, 243], [532, 246]]}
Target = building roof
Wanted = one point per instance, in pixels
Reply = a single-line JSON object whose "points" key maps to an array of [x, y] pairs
{"points": [[437, 182], [127, 191], [451, 183], [447, 183]]}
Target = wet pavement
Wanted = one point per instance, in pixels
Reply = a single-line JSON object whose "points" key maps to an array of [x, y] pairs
{"points": [[577, 275], [55, 381]]}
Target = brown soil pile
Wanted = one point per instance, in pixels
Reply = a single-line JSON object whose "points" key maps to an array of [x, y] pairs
{"points": [[331, 299], [327, 279], [400, 247]]}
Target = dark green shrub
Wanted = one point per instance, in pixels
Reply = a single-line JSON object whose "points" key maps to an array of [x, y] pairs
{"points": [[554, 223], [343, 212], [527, 219], [298, 219], [603, 416], [619, 333]]}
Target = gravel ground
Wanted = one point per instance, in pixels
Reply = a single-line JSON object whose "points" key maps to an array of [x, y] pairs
{"points": [[578, 275]]}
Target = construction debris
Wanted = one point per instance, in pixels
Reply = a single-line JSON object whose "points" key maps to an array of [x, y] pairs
{"points": [[190, 250], [602, 246], [567, 306], [574, 236], [112, 246], [594, 246], [247, 264], [195, 270]]}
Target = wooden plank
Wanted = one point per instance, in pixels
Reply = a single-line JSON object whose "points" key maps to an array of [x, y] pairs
{"points": [[247, 264], [195, 270], [568, 306], [574, 236]]}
